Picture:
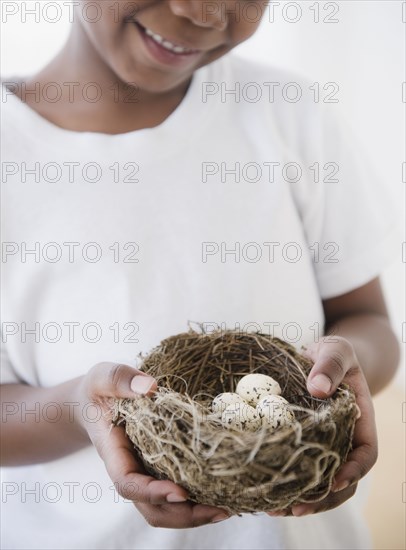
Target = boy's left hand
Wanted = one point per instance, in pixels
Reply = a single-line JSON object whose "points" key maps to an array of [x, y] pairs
{"points": [[335, 361]]}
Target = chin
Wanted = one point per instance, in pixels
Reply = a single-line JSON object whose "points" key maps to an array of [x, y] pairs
{"points": [[153, 82]]}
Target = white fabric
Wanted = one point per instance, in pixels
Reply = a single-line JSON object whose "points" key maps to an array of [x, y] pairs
{"points": [[169, 213]]}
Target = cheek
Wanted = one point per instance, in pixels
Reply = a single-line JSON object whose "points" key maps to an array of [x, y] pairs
{"points": [[112, 39], [103, 31], [108, 32], [247, 19], [243, 30]]}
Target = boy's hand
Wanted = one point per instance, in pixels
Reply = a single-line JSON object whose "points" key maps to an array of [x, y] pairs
{"points": [[162, 503], [335, 362]]}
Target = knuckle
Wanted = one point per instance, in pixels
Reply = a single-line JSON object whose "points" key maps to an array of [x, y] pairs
{"points": [[114, 375], [354, 371], [333, 500], [129, 490], [337, 361], [374, 455], [371, 456], [347, 346], [358, 472]]}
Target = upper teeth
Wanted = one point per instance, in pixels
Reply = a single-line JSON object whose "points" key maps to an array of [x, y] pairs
{"points": [[166, 44]]}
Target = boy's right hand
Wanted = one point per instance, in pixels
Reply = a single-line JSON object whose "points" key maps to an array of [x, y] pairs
{"points": [[162, 503]]}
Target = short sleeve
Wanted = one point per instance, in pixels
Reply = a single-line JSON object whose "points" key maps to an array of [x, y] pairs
{"points": [[7, 372], [349, 215]]}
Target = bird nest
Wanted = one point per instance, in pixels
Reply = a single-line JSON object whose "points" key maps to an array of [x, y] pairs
{"points": [[177, 438]]}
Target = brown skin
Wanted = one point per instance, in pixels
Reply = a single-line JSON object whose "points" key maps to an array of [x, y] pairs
{"points": [[364, 352], [110, 53]]}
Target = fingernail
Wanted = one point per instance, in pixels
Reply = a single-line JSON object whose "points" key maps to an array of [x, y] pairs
{"points": [[301, 510], [341, 486], [141, 384], [173, 497], [219, 517], [277, 514], [321, 382]]}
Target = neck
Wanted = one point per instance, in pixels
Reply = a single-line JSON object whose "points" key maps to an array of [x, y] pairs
{"points": [[94, 98]]}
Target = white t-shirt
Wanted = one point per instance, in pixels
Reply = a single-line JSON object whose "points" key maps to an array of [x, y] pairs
{"points": [[133, 235]]}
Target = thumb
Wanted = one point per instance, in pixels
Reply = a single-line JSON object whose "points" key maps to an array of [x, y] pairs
{"points": [[122, 381], [326, 374]]}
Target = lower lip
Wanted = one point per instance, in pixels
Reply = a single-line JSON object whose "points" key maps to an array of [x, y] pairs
{"points": [[161, 54]]}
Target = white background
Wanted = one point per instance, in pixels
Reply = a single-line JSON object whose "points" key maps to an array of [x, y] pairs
{"points": [[363, 52]]}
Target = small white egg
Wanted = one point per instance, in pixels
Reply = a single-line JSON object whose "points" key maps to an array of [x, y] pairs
{"points": [[269, 399], [255, 386], [222, 401], [242, 417], [274, 412]]}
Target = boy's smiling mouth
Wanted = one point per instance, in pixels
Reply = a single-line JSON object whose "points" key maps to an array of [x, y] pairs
{"points": [[164, 50], [165, 43]]}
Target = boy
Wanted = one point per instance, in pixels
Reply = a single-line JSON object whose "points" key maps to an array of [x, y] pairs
{"points": [[132, 188]]}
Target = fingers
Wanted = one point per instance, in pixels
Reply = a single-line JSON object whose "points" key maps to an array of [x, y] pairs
{"points": [[182, 516], [337, 362], [127, 472], [120, 381], [365, 441], [331, 501], [333, 359], [163, 503]]}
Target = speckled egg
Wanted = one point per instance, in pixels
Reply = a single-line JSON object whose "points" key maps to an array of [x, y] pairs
{"points": [[275, 412], [255, 386], [242, 417], [222, 401], [271, 399]]}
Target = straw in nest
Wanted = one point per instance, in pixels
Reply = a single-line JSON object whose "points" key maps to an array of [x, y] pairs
{"points": [[240, 471]]}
